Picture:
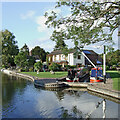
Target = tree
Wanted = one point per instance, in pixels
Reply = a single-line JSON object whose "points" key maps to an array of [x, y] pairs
{"points": [[40, 52], [9, 48], [21, 60], [25, 49], [38, 66], [31, 61], [113, 58], [89, 22], [60, 44]]}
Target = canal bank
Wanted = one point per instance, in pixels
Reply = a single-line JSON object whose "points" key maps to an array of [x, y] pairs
{"points": [[104, 89], [101, 88]]}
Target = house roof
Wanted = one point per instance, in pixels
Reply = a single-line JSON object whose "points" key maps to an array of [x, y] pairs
{"points": [[93, 56], [56, 52]]}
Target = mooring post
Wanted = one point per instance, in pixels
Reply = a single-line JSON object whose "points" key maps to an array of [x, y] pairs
{"points": [[104, 64]]}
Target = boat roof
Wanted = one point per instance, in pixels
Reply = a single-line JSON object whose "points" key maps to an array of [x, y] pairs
{"points": [[99, 68]]}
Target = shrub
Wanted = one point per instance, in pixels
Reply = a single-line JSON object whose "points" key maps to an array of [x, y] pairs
{"points": [[24, 69], [67, 67], [38, 65], [54, 67], [3, 66], [107, 67], [31, 69], [73, 66]]}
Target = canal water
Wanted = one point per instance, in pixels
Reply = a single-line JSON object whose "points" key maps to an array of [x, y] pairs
{"points": [[21, 99]]}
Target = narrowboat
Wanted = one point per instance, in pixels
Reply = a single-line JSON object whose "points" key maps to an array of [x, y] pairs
{"points": [[78, 75], [96, 75]]}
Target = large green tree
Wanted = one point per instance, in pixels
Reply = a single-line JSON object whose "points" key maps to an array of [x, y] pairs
{"points": [[40, 52], [9, 48], [25, 49], [113, 58], [88, 23], [21, 60]]}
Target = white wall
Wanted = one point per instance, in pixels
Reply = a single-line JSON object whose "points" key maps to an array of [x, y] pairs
{"points": [[71, 60], [57, 57], [53, 58], [74, 61]]}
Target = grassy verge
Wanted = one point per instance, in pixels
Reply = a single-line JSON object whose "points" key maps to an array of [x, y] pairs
{"points": [[115, 75], [47, 74]]}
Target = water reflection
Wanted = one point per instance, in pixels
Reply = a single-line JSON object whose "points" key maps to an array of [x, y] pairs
{"points": [[21, 99]]}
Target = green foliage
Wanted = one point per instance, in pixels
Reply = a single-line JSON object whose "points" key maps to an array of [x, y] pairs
{"points": [[60, 44], [55, 67], [31, 69], [47, 60], [40, 52], [9, 48], [113, 58], [38, 65], [21, 60], [31, 60], [85, 25], [67, 67], [73, 66], [70, 66], [25, 49]]}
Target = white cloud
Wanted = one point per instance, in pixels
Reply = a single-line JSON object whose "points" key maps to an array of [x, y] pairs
{"points": [[40, 20], [28, 14], [44, 43], [48, 45]]}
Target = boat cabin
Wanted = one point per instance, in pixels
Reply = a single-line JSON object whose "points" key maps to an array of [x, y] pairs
{"points": [[96, 75], [96, 72]]}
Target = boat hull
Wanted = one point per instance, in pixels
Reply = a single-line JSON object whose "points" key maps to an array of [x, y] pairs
{"points": [[80, 79], [93, 80]]}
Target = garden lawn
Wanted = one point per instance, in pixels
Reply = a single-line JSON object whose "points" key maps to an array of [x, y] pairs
{"points": [[115, 75], [47, 74]]}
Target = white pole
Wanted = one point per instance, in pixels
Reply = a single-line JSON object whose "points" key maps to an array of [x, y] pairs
{"points": [[104, 64]]}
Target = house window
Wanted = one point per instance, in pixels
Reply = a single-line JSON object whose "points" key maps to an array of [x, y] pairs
{"points": [[79, 56]]}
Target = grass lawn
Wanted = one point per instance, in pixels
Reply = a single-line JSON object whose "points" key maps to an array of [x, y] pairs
{"points": [[47, 74], [115, 75]]}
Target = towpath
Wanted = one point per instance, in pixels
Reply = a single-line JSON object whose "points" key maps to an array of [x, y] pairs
{"points": [[106, 88]]}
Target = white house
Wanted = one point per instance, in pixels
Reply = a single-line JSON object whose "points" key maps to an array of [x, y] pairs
{"points": [[58, 57]]}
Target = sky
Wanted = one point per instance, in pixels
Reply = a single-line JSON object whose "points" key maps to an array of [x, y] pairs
{"points": [[26, 21]]}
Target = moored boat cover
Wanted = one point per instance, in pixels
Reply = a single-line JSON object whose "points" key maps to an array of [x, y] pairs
{"points": [[96, 72]]}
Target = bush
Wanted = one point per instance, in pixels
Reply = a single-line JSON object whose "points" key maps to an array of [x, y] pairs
{"points": [[3, 66], [107, 67], [31, 69], [67, 67], [73, 66], [38, 65], [55, 67], [24, 69]]}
